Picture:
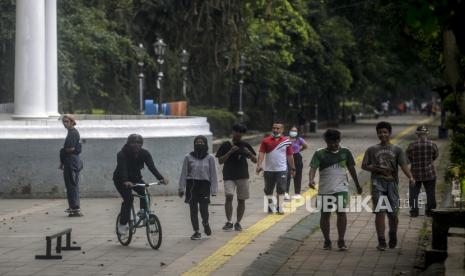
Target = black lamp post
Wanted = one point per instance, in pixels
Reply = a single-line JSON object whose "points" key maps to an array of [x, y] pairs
{"points": [[241, 84], [160, 48], [184, 63], [140, 62]]}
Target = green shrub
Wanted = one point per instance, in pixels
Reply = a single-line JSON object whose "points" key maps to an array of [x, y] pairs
{"points": [[220, 120], [449, 103], [357, 107]]}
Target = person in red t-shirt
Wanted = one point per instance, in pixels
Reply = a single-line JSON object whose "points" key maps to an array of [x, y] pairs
{"points": [[277, 152]]}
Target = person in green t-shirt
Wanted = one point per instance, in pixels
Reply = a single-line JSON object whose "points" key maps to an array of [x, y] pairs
{"points": [[332, 163], [383, 161]]}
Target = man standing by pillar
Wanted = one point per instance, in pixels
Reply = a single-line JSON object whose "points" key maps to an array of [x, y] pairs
{"points": [[421, 155], [71, 165]]}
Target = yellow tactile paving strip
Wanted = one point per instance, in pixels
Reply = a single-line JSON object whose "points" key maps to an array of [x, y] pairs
{"points": [[241, 240], [231, 248]]}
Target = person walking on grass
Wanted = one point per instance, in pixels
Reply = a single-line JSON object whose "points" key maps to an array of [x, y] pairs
{"points": [[197, 182], [421, 155], [383, 160], [298, 145], [71, 164], [234, 154], [332, 163], [278, 153]]}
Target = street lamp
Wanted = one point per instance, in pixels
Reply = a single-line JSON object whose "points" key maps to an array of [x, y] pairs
{"points": [[184, 63], [140, 56], [160, 48], [241, 84]]}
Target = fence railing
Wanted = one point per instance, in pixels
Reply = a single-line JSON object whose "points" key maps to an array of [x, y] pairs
{"points": [[6, 107]]}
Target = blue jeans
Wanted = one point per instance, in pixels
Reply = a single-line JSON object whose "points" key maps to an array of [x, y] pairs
{"points": [[72, 186]]}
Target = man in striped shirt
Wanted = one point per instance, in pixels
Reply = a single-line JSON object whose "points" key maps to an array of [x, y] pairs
{"points": [[421, 155], [276, 151]]}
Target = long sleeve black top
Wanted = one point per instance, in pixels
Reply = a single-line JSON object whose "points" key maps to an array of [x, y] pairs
{"points": [[129, 167]]}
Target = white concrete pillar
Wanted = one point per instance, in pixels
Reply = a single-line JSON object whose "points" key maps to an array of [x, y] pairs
{"points": [[30, 60], [51, 64]]}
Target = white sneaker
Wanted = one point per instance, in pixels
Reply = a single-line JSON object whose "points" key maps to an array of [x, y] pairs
{"points": [[297, 196], [123, 229], [286, 196]]}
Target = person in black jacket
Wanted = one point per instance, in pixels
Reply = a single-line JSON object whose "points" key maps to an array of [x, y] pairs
{"points": [[130, 162], [71, 164]]}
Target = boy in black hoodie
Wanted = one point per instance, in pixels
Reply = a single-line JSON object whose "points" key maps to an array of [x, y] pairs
{"points": [[130, 162]]}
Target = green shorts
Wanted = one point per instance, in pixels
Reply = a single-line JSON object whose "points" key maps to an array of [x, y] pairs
{"points": [[333, 201]]}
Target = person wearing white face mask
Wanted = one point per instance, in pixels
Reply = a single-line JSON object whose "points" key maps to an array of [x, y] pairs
{"points": [[276, 151], [298, 145]]}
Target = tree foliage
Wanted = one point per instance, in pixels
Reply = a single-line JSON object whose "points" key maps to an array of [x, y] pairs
{"points": [[299, 53]]}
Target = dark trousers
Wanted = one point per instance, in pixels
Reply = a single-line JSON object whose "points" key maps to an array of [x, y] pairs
{"points": [[430, 194], [198, 198], [128, 199], [72, 186], [298, 174], [194, 209]]}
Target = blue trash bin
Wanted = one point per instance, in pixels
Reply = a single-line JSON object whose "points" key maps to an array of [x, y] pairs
{"points": [[166, 109], [149, 107]]}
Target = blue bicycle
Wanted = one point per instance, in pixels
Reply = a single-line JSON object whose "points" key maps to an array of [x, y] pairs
{"points": [[144, 218]]}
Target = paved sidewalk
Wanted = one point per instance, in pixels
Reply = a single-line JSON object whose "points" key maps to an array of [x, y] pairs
{"points": [[24, 224], [362, 257]]}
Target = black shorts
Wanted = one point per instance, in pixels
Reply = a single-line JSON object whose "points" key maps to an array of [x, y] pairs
{"points": [[278, 179]]}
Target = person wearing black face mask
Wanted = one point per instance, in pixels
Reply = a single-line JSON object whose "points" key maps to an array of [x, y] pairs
{"points": [[130, 162], [197, 182]]}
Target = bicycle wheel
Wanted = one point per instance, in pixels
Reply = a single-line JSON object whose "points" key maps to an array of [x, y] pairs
{"points": [[154, 233], [126, 239]]}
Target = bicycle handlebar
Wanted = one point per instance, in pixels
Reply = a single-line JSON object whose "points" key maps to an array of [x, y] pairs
{"points": [[148, 184]]}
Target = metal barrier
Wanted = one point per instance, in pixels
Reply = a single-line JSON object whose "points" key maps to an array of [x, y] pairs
{"points": [[48, 255]]}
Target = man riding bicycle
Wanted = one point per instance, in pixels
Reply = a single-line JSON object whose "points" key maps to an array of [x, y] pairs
{"points": [[130, 162]]}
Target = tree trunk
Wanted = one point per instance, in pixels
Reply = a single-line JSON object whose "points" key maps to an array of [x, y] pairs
{"points": [[452, 69]]}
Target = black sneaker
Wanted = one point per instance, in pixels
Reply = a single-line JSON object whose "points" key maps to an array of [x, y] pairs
{"points": [[341, 245], [228, 226], [237, 226], [327, 245], [207, 230], [381, 244], [196, 236], [392, 239], [270, 211], [413, 213]]}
